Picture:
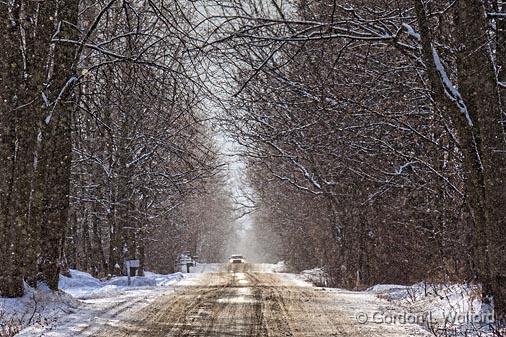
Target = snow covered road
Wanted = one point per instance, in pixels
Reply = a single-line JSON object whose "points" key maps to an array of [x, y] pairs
{"points": [[241, 300]]}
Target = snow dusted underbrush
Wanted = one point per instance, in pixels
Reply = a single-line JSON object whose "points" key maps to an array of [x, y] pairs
{"points": [[445, 310], [38, 306], [316, 276], [42, 307]]}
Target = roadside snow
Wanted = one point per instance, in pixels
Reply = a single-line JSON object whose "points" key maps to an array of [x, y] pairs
{"points": [[206, 268], [316, 276], [279, 267], [297, 280], [78, 279], [84, 286], [446, 308], [442, 309], [40, 308], [391, 291]]}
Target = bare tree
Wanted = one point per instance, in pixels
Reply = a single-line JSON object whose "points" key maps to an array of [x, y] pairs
{"points": [[373, 105], [38, 89]]}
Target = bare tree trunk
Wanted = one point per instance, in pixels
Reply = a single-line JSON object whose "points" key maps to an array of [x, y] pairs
{"points": [[99, 261], [501, 56], [10, 72], [56, 148], [72, 242], [29, 72], [477, 119], [477, 80]]}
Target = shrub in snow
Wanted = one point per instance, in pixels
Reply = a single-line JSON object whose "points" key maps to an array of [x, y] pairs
{"points": [[316, 276], [39, 306], [9, 325], [455, 309]]}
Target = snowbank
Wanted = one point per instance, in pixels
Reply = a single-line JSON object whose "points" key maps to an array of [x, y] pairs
{"points": [[41, 307], [37, 307], [391, 291], [279, 267], [448, 309], [78, 279], [84, 286], [206, 268], [316, 276]]}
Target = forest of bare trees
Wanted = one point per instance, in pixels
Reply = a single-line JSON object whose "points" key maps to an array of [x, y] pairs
{"points": [[373, 134], [106, 155], [380, 127]]}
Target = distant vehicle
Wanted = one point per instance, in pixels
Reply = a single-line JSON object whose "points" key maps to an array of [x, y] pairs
{"points": [[237, 259]]}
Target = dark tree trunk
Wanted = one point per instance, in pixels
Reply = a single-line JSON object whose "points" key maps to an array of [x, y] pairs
{"points": [[100, 264], [29, 73], [37, 155], [10, 73], [477, 80], [56, 149], [481, 137], [501, 54]]}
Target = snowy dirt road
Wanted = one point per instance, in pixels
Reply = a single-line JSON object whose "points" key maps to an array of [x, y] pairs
{"points": [[241, 301]]}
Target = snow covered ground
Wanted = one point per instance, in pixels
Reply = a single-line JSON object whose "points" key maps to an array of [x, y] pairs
{"points": [[250, 300], [80, 294], [315, 276], [84, 297], [37, 307], [444, 309], [82, 285]]}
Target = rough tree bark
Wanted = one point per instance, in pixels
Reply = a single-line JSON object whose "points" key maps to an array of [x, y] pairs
{"points": [[36, 198], [479, 89], [31, 38], [476, 115], [10, 70]]}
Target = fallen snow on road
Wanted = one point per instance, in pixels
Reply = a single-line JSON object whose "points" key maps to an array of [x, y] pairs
{"points": [[442, 309], [86, 305], [80, 294], [237, 302]]}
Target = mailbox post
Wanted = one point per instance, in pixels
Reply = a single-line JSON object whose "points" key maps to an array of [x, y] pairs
{"points": [[185, 260], [131, 264]]}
